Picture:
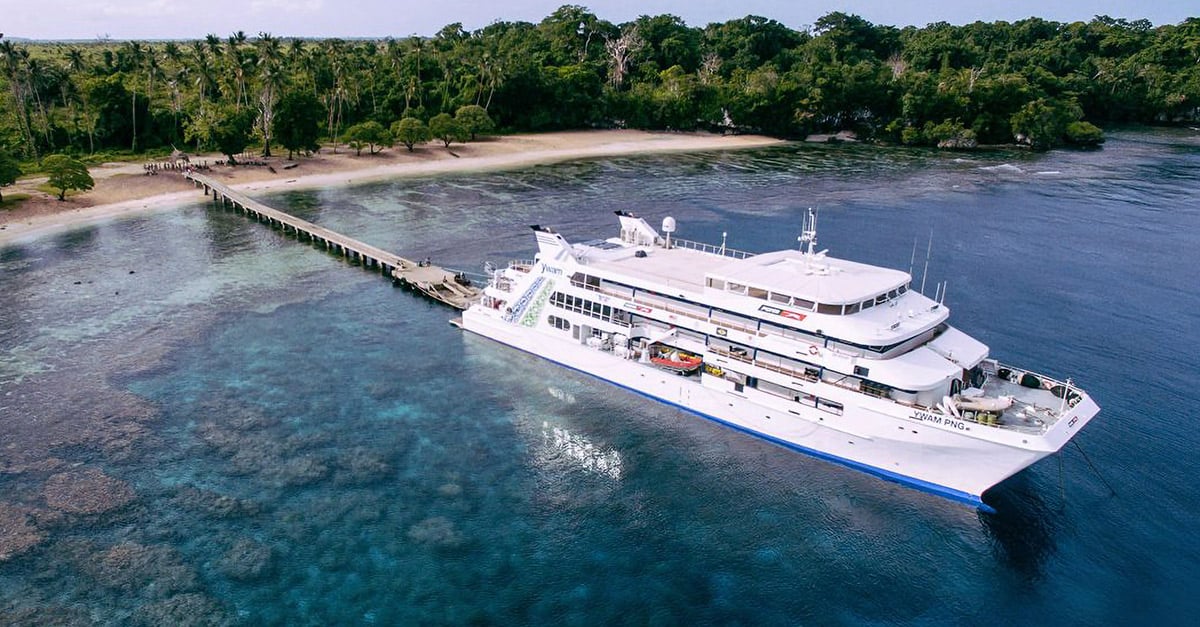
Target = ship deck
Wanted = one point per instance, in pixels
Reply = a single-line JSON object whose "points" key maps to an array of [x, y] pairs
{"points": [[681, 268]]}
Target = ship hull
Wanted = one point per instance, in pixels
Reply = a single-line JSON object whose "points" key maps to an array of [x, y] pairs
{"points": [[870, 435]]}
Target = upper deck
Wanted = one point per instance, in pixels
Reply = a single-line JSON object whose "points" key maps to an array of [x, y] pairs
{"points": [[816, 293]]}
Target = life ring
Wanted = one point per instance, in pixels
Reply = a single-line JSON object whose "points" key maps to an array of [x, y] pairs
{"points": [[813, 349]]}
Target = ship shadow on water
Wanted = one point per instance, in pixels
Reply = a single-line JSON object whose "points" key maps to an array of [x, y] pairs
{"points": [[1023, 527]]}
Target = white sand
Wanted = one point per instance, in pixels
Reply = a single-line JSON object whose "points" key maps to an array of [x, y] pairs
{"points": [[122, 191]]}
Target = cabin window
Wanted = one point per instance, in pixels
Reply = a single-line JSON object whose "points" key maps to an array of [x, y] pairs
{"points": [[617, 289], [756, 292], [736, 288], [903, 289], [785, 331], [559, 323], [716, 284], [867, 304], [802, 304], [829, 406], [777, 390], [781, 298], [861, 371], [877, 390], [584, 306], [732, 320], [852, 309], [833, 310], [585, 281], [893, 294]]}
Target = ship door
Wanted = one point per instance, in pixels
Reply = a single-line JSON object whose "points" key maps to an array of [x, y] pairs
{"points": [[581, 332]]}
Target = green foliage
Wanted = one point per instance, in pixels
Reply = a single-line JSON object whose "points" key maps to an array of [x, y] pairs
{"points": [[296, 124], [1084, 134], [231, 132], [447, 129], [66, 173], [474, 120], [10, 170], [410, 132], [1043, 123], [370, 134], [573, 69], [947, 134]]}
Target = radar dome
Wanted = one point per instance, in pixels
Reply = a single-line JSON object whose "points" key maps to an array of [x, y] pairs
{"points": [[668, 225]]}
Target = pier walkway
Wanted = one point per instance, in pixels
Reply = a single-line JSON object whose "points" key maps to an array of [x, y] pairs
{"points": [[437, 283]]}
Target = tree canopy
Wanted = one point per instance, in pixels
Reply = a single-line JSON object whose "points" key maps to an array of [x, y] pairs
{"points": [[574, 69], [10, 170], [445, 128], [474, 120], [370, 134], [297, 122], [410, 132], [66, 173], [231, 133]]}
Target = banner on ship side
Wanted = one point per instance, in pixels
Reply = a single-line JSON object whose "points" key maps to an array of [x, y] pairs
{"points": [[794, 315]]}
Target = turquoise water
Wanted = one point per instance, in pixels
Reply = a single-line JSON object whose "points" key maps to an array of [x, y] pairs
{"points": [[306, 444]]}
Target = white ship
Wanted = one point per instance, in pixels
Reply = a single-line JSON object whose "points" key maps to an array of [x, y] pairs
{"points": [[838, 359]]}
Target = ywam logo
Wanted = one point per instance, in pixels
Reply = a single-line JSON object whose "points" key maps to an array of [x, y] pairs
{"points": [[794, 315]]}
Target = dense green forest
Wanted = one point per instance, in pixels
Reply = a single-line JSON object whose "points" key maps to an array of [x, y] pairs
{"points": [[1034, 80]]}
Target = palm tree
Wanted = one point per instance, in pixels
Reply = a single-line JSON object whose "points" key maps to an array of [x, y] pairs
{"points": [[214, 45], [205, 79], [135, 56], [16, 73], [334, 51], [77, 63], [270, 57], [417, 46], [37, 76]]}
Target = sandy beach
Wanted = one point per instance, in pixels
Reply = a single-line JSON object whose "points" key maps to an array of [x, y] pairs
{"points": [[124, 189]]}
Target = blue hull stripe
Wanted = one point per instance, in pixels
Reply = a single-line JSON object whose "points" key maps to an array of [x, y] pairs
{"points": [[920, 484]]}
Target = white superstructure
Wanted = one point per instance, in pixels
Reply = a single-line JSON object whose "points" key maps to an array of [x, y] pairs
{"points": [[831, 357]]}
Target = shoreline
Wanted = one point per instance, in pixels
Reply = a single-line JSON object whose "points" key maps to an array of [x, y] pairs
{"points": [[126, 191]]}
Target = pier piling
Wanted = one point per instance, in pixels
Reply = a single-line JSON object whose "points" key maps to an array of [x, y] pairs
{"points": [[432, 281]]}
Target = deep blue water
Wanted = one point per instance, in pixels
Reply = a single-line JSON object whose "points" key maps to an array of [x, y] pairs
{"points": [[309, 445]]}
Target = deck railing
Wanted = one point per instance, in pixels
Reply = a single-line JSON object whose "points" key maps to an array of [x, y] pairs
{"points": [[709, 248]]}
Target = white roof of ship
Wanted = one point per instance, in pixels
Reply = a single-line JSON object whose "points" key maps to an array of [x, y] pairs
{"points": [[821, 279], [817, 277]]}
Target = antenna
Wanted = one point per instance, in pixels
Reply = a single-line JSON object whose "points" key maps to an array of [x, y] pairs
{"points": [[724, 234], [928, 252], [808, 235], [913, 259]]}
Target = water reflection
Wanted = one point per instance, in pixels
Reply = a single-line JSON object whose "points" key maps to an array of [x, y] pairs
{"points": [[1023, 527]]}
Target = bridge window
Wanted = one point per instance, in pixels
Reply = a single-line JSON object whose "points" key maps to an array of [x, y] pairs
{"points": [[833, 310], [584, 306]]}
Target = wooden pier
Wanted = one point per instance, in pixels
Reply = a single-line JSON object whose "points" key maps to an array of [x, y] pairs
{"points": [[430, 280]]}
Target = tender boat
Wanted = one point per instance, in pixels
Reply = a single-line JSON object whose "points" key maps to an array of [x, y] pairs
{"points": [[835, 358]]}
